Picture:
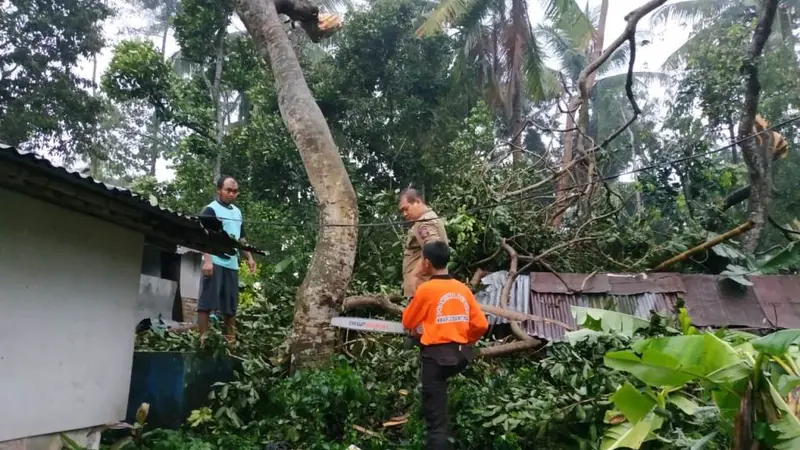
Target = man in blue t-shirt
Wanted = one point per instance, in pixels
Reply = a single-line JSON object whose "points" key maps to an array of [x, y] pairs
{"points": [[219, 287]]}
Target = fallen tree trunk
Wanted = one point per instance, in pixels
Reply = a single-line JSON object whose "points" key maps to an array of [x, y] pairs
{"points": [[386, 303]]}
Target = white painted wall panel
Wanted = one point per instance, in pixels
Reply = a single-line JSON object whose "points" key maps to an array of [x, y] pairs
{"points": [[191, 269], [68, 295], [156, 298]]}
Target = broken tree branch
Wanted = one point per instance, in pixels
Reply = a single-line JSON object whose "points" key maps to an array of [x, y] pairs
{"points": [[521, 317], [504, 349], [705, 245], [790, 234], [506, 292], [385, 302], [477, 277]]}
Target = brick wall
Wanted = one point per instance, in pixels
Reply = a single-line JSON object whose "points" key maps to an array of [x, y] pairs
{"points": [[189, 309]]}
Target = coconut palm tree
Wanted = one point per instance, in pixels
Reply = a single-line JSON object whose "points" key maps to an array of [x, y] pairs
{"points": [[608, 107], [708, 16], [499, 41]]}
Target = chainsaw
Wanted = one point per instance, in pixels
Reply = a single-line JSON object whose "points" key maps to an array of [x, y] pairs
{"points": [[376, 325]]}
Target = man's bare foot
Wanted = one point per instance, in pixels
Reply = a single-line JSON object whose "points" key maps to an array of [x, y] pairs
{"points": [[231, 341]]}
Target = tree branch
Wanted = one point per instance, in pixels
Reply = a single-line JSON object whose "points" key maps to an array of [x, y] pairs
{"points": [[587, 74], [506, 292], [385, 302], [504, 349], [705, 245]]}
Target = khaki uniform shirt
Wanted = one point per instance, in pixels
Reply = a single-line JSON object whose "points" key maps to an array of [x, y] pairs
{"points": [[431, 230]]}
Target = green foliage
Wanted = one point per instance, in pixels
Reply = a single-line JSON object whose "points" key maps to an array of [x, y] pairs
{"points": [[199, 26], [42, 99], [728, 367], [137, 71], [563, 401]]}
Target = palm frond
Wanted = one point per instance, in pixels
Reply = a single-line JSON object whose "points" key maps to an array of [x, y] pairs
{"points": [[616, 83], [448, 12], [568, 16], [677, 58], [688, 11], [551, 84], [533, 70], [571, 60]]}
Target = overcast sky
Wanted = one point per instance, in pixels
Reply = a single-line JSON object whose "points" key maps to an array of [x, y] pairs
{"points": [[666, 40]]}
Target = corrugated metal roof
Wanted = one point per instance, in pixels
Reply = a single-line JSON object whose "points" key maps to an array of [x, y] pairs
{"points": [[612, 283], [34, 175], [772, 301], [519, 297], [525, 298]]}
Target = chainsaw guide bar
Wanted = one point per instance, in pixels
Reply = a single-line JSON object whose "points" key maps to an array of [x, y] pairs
{"points": [[359, 324]]}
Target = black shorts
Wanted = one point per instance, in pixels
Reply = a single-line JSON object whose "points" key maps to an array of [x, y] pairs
{"points": [[220, 291]]}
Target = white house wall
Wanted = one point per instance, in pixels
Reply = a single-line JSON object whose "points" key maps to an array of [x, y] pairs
{"points": [[191, 269], [156, 297], [68, 294]]}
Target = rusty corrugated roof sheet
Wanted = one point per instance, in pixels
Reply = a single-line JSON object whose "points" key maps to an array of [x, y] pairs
{"points": [[772, 302], [712, 300], [35, 176], [612, 283], [529, 296], [557, 307], [779, 298]]}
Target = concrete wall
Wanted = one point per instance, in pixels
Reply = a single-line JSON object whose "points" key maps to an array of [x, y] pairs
{"points": [[68, 295], [88, 439], [191, 270], [156, 297]]}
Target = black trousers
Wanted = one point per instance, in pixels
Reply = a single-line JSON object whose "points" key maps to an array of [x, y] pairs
{"points": [[439, 363]]}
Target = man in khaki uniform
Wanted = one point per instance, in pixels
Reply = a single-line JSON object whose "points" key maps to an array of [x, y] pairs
{"points": [[427, 227]]}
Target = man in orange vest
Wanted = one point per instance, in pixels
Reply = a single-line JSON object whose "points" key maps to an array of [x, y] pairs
{"points": [[448, 319]]}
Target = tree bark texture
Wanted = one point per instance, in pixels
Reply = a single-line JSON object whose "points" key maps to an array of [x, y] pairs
{"points": [[566, 160], [216, 97], [756, 157], [331, 266], [516, 89]]}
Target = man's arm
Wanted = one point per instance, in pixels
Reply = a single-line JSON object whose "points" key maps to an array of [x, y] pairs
{"points": [[243, 239], [208, 265], [251, 263], [414, 313], [426, 232], [477, 320]]}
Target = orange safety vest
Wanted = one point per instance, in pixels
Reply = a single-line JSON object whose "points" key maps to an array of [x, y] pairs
{"points": [[447, 312]]}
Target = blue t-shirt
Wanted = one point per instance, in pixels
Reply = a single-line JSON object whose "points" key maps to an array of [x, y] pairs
{"points": [[231, 218]]}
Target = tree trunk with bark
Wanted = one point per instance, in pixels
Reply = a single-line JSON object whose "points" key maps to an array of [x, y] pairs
{"points": [[756, 157], [596, 44], [323, 289], [516, 89], [216, 96], [589, 164], [566, 160]]}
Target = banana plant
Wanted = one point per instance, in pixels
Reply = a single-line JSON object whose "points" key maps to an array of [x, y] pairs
{"points": [[753, 381]]}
